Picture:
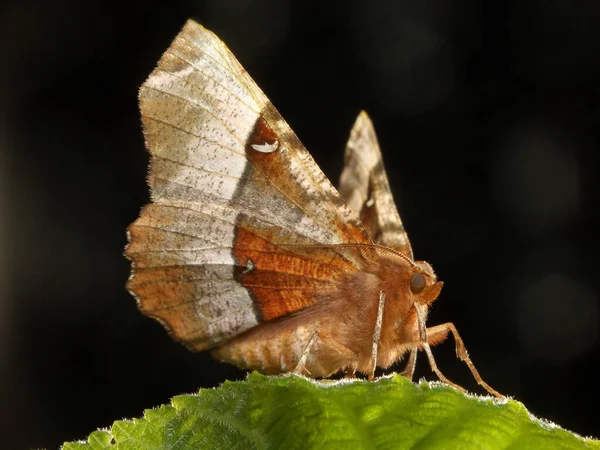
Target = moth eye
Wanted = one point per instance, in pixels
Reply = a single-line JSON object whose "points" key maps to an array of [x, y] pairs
{"points": [[417, 283]]}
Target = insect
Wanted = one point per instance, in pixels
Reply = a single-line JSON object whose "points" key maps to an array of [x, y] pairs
{"points": [[247, 250]]}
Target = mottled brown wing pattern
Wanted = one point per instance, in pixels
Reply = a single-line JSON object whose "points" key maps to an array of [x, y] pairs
{"points": [[365, 187], [236, 200]]}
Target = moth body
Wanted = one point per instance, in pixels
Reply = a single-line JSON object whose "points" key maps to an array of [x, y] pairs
{"points": [[342, 323], [247, 249]]}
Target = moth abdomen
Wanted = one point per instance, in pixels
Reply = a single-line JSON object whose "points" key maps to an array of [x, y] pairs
{"points": [[255, 350], [278, 347]]}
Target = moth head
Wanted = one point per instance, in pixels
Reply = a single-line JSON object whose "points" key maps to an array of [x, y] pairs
{"points": [[423, 283]]}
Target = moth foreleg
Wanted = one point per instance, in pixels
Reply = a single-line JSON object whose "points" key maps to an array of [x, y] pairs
{"points": [[424, 344], [439, 333]]}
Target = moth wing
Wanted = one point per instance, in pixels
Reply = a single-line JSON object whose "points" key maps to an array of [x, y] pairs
{"points": [[236, 198], [208, 274], [365, 187]]}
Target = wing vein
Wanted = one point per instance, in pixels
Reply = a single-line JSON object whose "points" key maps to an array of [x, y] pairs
{"points": [[239, 99], [199, 169], [204, 52], [229, 69], [187, 100], [178, 250], [202, 138]]}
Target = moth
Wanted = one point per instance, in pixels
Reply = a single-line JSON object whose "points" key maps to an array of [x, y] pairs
{"points": [[247, 249]]}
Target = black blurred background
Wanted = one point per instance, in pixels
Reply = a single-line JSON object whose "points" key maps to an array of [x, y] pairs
{"points": [[487, 115]]}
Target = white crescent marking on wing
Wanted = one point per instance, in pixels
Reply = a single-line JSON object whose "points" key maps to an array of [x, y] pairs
{"points": [[266, 147]]}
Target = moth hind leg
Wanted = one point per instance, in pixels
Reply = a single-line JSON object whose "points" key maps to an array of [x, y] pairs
{"points": [[301, 366], [322, 356]]}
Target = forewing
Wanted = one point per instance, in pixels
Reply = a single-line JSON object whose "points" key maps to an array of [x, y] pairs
{"points": [[365, 187], [214, 137], [236, 199]]}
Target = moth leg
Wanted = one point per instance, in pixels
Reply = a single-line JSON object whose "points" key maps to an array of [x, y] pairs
{"points": [[377, 335], [409, 369], [347, 354], [344, 353], [424, 344], [439, 332], [301, 366]]}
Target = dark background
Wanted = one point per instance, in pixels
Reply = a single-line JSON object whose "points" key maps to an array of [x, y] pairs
{"points": [[488, 119]]}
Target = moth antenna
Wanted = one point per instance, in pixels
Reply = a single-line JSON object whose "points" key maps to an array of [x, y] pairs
{"points": [[333, 246], [377, 334]]}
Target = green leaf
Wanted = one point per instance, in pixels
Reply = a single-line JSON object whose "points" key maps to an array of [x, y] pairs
{"points": [[292, 412]]}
